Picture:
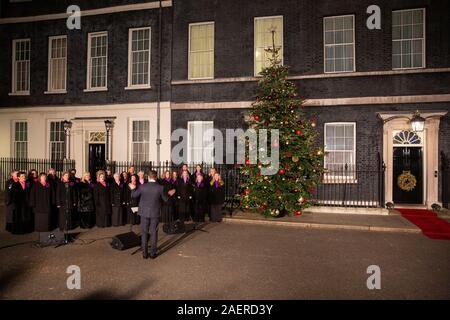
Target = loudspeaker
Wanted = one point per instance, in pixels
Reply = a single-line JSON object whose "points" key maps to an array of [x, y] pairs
{"points": [[126, 241]]}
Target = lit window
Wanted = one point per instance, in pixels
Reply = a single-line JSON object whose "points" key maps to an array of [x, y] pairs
{"points": [[97, 60], [201, 142], [340, 147], [57, 140], [339, 44], [21, 139], [140, 141], [201, 50], [57, 64], [139, 58], [408, 39], [21, 66], [268, 30]]}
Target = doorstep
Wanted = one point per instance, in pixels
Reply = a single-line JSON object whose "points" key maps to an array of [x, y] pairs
{"points": [[373, 223], [348, 210]]}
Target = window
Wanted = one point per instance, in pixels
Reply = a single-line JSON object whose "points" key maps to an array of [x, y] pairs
{"points": [[57, 141], [21, 139], [97, 61], [140, 141], [57, 64], [339, 44], [201, 50], [201, 142], [139, 57], [267, 31], [340, 147], [408, 39], [21, 66]]}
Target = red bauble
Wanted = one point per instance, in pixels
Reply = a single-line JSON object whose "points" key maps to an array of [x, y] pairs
{"points": [[257, 118], [247, 162], [298, 213], [281, 171], [298, 132], [247, 192]]}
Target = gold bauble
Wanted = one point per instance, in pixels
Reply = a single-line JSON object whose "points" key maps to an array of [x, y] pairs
{"points": [[295, 159]]}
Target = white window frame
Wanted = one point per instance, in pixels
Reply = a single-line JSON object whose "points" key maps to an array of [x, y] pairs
{"points": [[354, 44], [130, 139], [424, 44], [329, 178], [49, 142], [88, 73], [13, 140], [189, 50], [130, 86], [49, 74], [14, 91], [189, 155], [255, 73]]}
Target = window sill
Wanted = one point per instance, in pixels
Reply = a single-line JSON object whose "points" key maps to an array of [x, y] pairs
{"points": [[339, 180], [55, 92], [402, 69], [339, 72], [138, 88], [96, 90], [25, 93]]}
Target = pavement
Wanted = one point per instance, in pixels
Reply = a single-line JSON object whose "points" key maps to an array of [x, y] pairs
{"points": [[234, 260], [393, 222]]}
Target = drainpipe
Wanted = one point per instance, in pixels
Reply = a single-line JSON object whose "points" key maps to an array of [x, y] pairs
{"points": [[158, 105]]}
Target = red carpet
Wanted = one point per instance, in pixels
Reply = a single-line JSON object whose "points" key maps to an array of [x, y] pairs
{"points": [[428, 221]]}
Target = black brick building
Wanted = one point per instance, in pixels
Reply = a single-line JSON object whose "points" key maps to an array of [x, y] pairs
{"points": [[361, 85]]}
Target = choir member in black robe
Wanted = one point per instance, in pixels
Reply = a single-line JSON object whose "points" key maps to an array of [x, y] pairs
{"points": [[86, 204], [141, 178], [116, 189], [9, 204], [208, 179], [41, 200], [73, 176], [184, 191], [124, 177], [198, 171], [130, 202], [131, 172], [216, 198], [200, 199], [184, 167], [22, 220], [109, 177], [167, 208], [32, 177], [174, 182], [66, 202], [102, 200], [53, 180]]}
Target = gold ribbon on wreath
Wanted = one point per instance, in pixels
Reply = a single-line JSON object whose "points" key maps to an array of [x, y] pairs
{"points": [[406, 181]]}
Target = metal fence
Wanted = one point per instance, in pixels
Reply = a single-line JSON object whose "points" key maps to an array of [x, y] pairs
{"points": [[40, 165], [230, 174], [445, 163], [350, 187]]}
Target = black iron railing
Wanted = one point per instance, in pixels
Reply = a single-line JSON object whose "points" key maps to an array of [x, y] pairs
{"points": [[40, 165], [351, 187], [445, 164], [347, 187], [230, 174]]}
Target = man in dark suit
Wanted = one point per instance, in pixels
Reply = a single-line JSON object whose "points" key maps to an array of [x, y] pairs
{"points": [[150, 195]]}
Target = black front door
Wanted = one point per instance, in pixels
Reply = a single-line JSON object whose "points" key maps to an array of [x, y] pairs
{"points": [[408, 175], [96, 159]]}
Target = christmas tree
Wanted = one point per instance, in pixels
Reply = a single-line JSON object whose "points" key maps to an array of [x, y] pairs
{"points": [[277, 106]]}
